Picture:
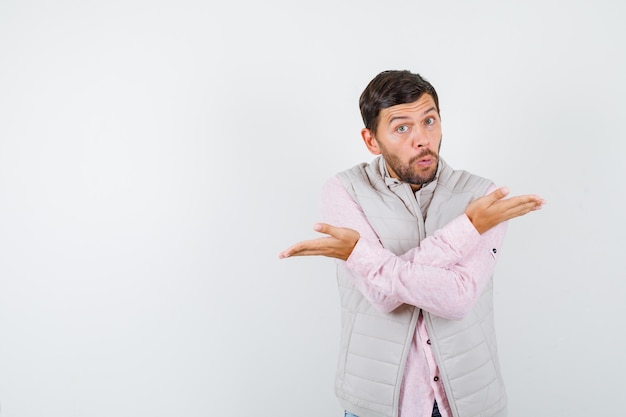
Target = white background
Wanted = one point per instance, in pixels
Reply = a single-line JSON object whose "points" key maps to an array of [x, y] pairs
{"points": [[156, 156]]}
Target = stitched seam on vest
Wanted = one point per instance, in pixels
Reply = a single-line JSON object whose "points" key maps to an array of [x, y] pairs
{"points": [[352, 397], [482, 342], [377, 338], [486, 408], [478, 322], [469, 372], [372, 359], [370, 380]]}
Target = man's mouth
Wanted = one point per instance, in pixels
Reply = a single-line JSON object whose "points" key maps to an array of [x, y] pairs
{"points": [[423, 162]]}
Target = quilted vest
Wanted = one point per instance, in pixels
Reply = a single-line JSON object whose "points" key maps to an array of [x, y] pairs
{"points": [[374, 345]]}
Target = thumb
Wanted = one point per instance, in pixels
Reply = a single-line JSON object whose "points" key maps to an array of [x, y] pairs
{"points": [[498, 194], [324, 228], [332, 231]]}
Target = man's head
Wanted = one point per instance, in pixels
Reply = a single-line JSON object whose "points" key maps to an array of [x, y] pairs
{"points": [[401, 115], [390, 88]]}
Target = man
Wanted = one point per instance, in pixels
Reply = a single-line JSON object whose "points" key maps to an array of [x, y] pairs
{"points": [[416, 243]]}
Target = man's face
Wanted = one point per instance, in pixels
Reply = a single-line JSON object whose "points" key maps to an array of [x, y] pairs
{"points": [[408, 137]]}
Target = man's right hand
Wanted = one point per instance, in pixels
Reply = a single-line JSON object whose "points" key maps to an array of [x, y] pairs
{"points": [[493, 209], [338, 244]]}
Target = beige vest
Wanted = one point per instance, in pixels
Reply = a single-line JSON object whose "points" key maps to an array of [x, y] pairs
{"points": [[374, 345]]}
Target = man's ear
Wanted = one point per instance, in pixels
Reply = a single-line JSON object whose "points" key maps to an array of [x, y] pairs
{"points": [[370, 141]]}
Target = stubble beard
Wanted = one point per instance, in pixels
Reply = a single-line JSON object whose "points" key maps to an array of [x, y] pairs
{"points": [[411, 173]]}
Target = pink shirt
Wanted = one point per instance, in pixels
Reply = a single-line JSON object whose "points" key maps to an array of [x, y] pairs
{"points": [[445, 275]]}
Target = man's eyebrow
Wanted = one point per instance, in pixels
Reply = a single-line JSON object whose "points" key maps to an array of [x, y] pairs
{"points": [[424, 113], [394, 118]]}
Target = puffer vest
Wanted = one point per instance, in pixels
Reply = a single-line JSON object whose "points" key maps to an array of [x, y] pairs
{"points": [[374, 345]]}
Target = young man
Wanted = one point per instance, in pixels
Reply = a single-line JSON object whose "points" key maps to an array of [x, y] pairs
{"points": [[416, 243]]}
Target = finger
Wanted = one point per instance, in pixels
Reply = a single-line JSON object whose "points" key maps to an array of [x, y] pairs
{"points": [[521, 207], [519, 200], [306, 248], [306, 245], [298, 247], [497, 194]]}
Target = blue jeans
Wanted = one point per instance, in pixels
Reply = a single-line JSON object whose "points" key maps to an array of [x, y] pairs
{"points": [[435, 412]]}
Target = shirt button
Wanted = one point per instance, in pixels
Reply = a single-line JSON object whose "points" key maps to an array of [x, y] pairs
{"points": [[494, 250], [436, 378], [428, 341]]}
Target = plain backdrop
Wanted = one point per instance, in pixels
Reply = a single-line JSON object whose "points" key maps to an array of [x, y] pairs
{"points": [[156, 156]]}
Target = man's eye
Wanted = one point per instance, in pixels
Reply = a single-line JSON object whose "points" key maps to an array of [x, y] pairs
{"points": [[402, 129], [430, 121]]}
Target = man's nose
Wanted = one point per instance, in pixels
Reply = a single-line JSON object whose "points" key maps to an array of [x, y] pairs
{"points": [[420, 139]]}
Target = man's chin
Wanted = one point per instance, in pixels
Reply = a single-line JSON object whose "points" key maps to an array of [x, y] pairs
{"points": [[422, 179]]}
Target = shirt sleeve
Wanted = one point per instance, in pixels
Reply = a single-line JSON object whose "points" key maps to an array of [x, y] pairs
{"points": [[339, 209], [444, 275]]}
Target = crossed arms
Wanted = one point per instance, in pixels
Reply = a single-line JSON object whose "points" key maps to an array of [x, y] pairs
{"points": [[444, 275]]}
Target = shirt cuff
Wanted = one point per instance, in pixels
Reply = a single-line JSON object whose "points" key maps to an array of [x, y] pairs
{"points": [[365, 257], [460, 235]]}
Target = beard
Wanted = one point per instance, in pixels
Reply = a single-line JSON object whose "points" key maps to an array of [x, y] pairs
{"points": [[410, 172]]}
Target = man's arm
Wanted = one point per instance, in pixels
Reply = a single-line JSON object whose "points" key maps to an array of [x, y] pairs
{"points": [[338, 207], [444, 275]]}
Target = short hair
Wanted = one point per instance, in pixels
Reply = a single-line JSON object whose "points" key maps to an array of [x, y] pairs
{"points": [[390, 88]]}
